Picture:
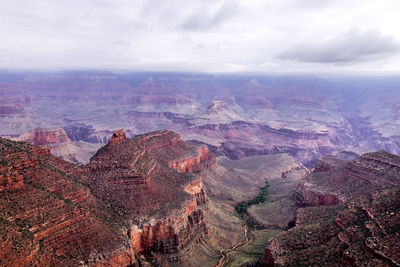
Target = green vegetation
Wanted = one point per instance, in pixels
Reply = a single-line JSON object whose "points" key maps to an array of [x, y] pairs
{"points": [[241, 208]]}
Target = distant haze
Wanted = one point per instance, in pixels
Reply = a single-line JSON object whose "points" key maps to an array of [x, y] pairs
{"points": [[338, 36]]}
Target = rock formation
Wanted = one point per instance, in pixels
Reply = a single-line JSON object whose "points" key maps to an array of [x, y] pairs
{"points": [[40, 136], [126, 202], [351, 216], [57, 140], [334, 181], [118, 136]]}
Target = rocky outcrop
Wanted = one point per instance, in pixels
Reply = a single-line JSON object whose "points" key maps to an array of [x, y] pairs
{"points": [[118, 136], [170, 234], [334, 182], [10, 179], [40, 136], [51, 218], [361, 232], [328, 163], [308, 197], [57, 140], [143, 182], [15, 164], [196, 163], [127, 201]]}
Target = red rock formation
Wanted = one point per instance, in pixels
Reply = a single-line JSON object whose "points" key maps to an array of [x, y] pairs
{"points": [[361, 232], [307, 197], [77, 214], [132, 172], [57, 140], [40, 136], [328, 163], [118, 136], [9, 179], [52, 218], [196, 163], [342, 182]]}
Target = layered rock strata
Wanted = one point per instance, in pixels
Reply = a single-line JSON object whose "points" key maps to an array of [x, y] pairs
{"points": [[126, 202], [351, 216], [335, 181]]}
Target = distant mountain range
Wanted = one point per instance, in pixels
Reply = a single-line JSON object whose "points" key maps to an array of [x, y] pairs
{"points": [[237, 116]]}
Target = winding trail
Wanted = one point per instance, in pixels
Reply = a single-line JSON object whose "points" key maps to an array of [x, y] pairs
{"points": [[225, 255]]}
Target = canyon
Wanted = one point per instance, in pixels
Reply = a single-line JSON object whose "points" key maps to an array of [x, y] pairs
{"points": [[236, 116], [145, 169]]}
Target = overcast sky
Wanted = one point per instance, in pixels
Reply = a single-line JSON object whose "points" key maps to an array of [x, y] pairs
{"points": [[201, 35]]}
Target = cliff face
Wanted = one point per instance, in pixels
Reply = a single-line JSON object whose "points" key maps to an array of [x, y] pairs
{"points": [[126, 201], [50, 218], [203, 159], [174, 234], [361, 232], [41, 136], [334, 182], [241, 138], [328, 163], [60, 145]]}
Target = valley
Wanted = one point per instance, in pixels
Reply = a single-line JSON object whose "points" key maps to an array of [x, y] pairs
{"points": [[236, 116], [149, 169]]}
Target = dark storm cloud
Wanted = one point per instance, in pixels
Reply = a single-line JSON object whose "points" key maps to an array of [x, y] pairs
{"points": [[353, 45]]}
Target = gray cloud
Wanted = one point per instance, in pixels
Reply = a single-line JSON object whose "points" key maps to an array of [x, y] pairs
{"points": [[208, 19], [205, 35], [353, 45]]}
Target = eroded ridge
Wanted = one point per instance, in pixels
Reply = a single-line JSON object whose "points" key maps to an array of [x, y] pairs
{"points": [[126, 202], [362, 229]]}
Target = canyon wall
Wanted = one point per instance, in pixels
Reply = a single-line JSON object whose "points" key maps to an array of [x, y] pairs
{"points": [[350, 216], [126, 202]]}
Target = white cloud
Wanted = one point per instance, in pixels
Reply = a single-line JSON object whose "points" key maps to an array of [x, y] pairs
{"points": [[207, 35]]}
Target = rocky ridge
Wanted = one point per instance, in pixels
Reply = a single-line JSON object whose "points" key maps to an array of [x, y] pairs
{"points": [[126, 202], [350, 216]]}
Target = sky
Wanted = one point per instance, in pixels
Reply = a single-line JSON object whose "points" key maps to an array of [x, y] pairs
{"points": [[338, 36]]}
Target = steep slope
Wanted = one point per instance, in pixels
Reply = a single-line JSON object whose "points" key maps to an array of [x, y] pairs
{"points": [[364, 231], [127, 201], [162, 204], [241, 139], [336, 182], [47, 217]]}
